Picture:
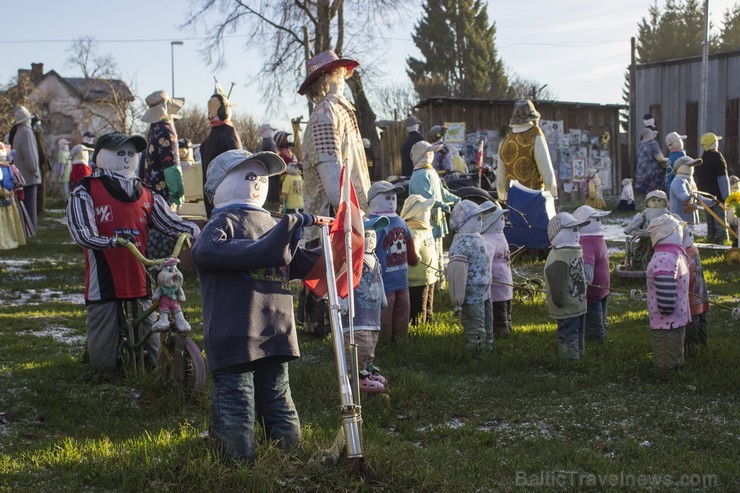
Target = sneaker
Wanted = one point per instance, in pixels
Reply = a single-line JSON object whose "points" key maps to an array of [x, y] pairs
{"points": [[369, 386]]}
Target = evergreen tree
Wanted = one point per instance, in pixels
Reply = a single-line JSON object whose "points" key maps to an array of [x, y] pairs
{"points": [[459, 56], [730, 33], [676, 31]]}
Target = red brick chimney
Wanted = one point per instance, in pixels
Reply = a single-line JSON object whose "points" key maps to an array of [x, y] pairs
{"points": [[37, 70]]}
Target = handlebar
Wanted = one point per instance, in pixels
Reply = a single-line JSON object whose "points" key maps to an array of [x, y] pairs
{"points": [[182, 239]]}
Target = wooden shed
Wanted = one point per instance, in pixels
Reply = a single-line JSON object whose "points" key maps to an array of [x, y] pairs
{"points": [[671, 89], [584, 133]]}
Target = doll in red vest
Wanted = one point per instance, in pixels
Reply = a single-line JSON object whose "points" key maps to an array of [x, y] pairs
{"points": [[113, 203]]}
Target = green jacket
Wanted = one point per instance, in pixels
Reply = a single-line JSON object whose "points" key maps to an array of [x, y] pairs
{"points": [[565, 282]]}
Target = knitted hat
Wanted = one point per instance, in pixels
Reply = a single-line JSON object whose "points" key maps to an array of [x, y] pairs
{"points": [[524, 112], [560, 221], [324, 62], [662, 227], [462, 212]]}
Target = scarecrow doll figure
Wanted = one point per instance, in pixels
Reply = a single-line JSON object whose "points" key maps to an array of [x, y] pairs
{"points": [[502, 290], [565, 282], [245, 262]]}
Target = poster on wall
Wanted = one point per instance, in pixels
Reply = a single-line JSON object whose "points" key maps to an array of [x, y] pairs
{"points": [[455, 132], [579, 168], [553, 130]]}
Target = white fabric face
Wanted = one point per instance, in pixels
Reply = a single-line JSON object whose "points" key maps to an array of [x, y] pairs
{"points": [[675, 238], [685, 170], [498, 226], [371, 240], [566, 237], [336, 81], [122, 160], [688, 236], [412, 128], [593, 227], [246, 183], [472, 225], [384, 203]]}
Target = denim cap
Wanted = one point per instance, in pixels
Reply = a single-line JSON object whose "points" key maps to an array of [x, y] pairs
{"points": [[462, 212], [586, 212], [561, 221], [377, 223], [226, 161], [382, 186]]}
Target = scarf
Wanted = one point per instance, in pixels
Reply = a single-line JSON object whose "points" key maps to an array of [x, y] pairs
{"points": [[217, 123]]}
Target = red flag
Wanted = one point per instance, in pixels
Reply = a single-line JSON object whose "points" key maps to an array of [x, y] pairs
{"points": [[480, 155], [316, 279]]}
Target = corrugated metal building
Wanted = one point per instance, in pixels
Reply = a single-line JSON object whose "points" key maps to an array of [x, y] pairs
{"points": [[670, 90], [593, 120]]}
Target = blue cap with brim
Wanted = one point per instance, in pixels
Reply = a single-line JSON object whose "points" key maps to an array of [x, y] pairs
{"points": [[226, 161], [377, 223]]}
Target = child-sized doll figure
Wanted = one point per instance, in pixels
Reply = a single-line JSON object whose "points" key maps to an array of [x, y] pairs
{"points": [[370, 300], [80, 165], [469, 277], [683, 192], [627, 199], [667, 279], [502, 289], [596, 268], [697, 332], [291, 194], [656, 204], [595, 196], [63, 167], [11, 229], [417, 212], [396, 252], [674, 143], [245, 261], [565, 282]]}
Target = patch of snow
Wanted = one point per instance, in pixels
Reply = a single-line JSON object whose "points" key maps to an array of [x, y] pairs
{"points": [[58, 333], [34, 297]]}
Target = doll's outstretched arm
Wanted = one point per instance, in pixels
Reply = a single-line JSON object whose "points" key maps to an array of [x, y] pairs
{"points": [[556, 273]]}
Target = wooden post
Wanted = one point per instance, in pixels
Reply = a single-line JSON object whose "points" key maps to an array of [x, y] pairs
{"points": [[632, 125]]}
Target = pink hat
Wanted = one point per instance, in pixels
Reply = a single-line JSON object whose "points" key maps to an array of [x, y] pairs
{"points": [[324, 62]]}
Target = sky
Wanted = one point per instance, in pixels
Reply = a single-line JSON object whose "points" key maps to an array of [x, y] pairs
{"points": [[579, 48]]}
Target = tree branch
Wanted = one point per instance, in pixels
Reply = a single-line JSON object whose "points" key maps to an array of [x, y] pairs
{"points": [[260, 16]]}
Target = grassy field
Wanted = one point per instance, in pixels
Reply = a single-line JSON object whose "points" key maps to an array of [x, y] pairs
{"points": [[515, 420]]}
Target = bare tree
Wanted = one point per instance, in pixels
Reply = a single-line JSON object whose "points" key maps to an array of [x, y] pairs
{"points": [[395, 101], [14, 93], [194, 125], [288, 29], [83, 54]]}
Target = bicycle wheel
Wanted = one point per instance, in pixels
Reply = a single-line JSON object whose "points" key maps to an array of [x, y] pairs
{"points": [[189, 366], [127, 313]]}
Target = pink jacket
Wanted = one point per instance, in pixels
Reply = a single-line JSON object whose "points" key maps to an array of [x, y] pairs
{"points": [[498, 249], [669, 260]]}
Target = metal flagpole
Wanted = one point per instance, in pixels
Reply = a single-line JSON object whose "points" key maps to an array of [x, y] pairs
{"points": [[350, 285]]}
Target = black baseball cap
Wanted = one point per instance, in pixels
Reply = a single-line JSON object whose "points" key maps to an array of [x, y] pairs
{"points": [[115, 140]]}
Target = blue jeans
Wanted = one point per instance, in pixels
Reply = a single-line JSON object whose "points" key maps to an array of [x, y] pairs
{"points": [[256, 392], [596, 320], [571, 333], [715, 231]]}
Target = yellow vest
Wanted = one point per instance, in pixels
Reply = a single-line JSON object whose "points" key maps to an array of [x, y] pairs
{"points": [[517, 155]]}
